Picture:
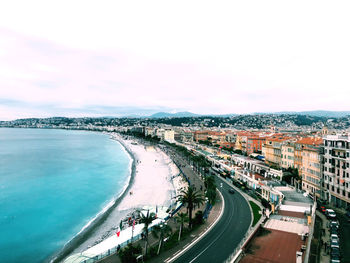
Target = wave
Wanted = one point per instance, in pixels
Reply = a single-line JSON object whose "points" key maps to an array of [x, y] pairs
{"points": [[99, 218]]}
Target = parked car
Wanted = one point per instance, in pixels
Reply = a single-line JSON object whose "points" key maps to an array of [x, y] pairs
{"points": [[322, 209], [335, 252], [331, 214], [335, 259], [334, 224], [333, 231], [334, 244], [334, 237]]}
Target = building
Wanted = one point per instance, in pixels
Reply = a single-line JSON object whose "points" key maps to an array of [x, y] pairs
{"points": [[212, 136], [311, 169], [254, 144], [336, 170], [287, 158], [272, 150]]}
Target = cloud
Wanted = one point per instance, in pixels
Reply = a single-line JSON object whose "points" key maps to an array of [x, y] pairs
{"points": [[231, 57]]}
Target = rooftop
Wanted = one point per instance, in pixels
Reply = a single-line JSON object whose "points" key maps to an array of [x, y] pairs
{"points": [[273, 246]]}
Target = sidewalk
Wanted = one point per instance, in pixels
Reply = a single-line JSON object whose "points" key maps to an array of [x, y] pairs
{"points": [[324, 255], [214, 214]]}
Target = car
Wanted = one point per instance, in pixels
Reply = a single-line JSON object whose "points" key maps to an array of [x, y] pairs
{"points": [[334, 237], [331, 214], [231, 191], [322, 209], [335, 259], [334, 244], [333, 230], [335, 252], [333, 224]]}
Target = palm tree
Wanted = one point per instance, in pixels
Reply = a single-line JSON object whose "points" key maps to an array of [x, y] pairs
{"points": [[161, 231], [190, 198], [210, 185], [209, 182], [181, 218], [146, 220]]}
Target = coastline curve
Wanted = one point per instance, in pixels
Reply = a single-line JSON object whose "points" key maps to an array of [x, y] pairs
{"points": [[100, 218]]}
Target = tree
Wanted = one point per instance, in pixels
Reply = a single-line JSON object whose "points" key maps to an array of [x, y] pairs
{"points": [[198, 218], [211, 195], [128, 254], [161, 231], [190, 197], [146, 220], [209, 182], [181, 218]]}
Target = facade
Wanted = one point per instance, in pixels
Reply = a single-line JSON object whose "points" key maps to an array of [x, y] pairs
{"points": [[287, 158], [186, 136], [336, 170], [150, 131], [214, 137], [272, 150], [311, 170], [254, 144]]}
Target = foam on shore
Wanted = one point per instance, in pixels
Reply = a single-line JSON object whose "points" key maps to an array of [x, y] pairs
{"points": [[150, 184]]}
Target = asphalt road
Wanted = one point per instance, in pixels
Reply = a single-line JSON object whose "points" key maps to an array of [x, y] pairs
{"points": [[224, 237]]}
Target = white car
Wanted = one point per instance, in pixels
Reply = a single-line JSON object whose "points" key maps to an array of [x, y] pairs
{"points": [[331, 214], [334, 237]]}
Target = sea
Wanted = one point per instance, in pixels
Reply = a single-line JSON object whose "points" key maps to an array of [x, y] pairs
{"points": [[52, 184]]}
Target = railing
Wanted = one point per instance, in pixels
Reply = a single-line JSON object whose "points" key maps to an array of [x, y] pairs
{"points": [[308, 247], [237, 253]]}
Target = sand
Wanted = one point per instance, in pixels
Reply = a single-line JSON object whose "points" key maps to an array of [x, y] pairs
{"points": [[155, 182]]}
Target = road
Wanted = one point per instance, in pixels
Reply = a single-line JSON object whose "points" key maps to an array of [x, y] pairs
{"points": [[224, 237]]}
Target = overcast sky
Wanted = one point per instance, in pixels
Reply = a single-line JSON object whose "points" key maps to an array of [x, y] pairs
{"points": [[92, 58]]}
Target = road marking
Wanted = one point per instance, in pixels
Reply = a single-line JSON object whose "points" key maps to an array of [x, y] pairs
{"points": [[201, 236]]}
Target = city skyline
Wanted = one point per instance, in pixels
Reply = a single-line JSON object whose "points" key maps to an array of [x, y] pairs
{"points": [[83, 59]]}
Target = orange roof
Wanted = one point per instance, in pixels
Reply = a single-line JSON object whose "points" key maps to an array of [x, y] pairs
{"points": [[310, 141], [279, 139]]}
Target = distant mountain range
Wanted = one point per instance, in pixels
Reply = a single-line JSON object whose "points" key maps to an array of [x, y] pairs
{"points": [[183, 114], [174, 115], [316, 113]]}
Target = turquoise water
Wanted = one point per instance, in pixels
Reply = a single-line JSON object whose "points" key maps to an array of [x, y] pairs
{"points": [[52, 183]]}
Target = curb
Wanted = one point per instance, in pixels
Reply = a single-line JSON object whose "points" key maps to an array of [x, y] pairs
{"points": [[242, 194], [188, 246]]}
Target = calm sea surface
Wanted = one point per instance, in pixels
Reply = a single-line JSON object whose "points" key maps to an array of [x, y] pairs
{"points": [[52, 183]]}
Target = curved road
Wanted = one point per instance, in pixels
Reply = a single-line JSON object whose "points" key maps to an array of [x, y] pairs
{"points": [[219, 243]]}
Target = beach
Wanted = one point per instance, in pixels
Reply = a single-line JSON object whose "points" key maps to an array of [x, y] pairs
{"points": [[154, 182]]}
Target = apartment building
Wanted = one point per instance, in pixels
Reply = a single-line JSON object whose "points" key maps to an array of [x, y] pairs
{"points": [[272, 150], [254, 144], [241, 141], [213, 136], [311, 169], [336, 170], [287, 158]]}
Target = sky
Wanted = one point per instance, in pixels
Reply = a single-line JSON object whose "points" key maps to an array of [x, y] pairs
{"points": [[115, 58]]}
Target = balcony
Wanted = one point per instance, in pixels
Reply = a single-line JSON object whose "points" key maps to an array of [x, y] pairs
{"points": [[338, 156]]}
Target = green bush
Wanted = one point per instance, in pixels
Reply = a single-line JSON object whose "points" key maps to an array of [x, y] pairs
{"points": [[129, 253], [198, 218]]}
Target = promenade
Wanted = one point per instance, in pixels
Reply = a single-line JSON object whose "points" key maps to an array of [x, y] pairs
{"points": [[196, 182]]}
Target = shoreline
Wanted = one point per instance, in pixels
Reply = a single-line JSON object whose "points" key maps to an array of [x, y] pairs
{"points": [[87, 232]]}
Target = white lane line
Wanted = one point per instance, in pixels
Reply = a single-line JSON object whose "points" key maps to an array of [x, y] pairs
{"points": [[201, 236]]}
